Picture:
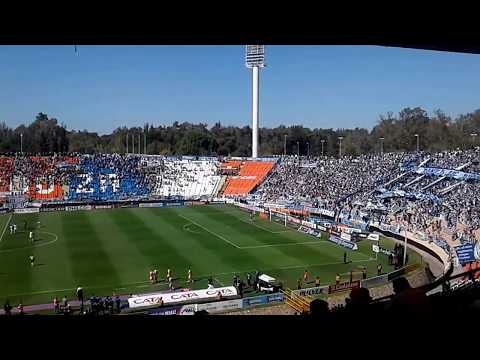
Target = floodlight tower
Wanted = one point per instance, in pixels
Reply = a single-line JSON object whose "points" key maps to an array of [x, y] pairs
{"points": [[255, 59]]}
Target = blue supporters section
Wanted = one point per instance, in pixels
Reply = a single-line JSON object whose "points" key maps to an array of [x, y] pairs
{"points": [[104, 177]]}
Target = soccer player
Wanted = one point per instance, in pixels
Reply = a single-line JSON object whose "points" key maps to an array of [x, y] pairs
{"points": [[337, 279], [11, 229], [14, 228], [56, 304], [344, 257], [350, 273], [169, 274], [364, 273], [379, 269], [189, 276], [249, 279], [155, 275], [32, 260], [317, 281], [80, 294], [30, 236], [150, 276], [252, 216], [299, 284], [305, 276], [20, 308]]}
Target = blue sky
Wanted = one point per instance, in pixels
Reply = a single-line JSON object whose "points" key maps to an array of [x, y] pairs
{"points": [[103, 87]]}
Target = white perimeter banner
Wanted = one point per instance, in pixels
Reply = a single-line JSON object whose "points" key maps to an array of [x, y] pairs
{"points": [[222, 306], [374, 237], [27, 211], [346, 236], [180, 297]]}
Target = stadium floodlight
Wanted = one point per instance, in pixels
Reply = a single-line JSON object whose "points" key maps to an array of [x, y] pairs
{"points": [[340, 138], [322, 141], [418, 142], [255, 59]]}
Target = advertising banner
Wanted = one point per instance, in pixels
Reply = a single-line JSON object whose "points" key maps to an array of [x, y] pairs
{"points": [[220, 306], [345, 236], [78, 207], [150, 205], [385, 251], [308, 231], [374, 237], [50, 209], [344, 243], [374, 281], [312, 291], [27, 211], [375, 248], [262, 300], [468, 253], [174, 310], [343, 286], [173, 204], [180, 297], [103, 207]]}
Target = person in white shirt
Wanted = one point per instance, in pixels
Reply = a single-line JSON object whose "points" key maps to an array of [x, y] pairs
{"points": [[30, 236]]}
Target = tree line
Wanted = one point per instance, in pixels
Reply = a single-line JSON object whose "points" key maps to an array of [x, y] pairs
{"points": [[392, 132]]}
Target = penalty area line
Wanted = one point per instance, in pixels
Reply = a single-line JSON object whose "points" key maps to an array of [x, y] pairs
{"points": [[211, 232]]}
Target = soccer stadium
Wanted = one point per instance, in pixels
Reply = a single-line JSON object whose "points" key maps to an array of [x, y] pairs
{"points": [[135, 233]]}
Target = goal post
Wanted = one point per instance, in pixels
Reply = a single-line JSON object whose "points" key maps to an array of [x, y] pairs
{"points": [[278, 216]]}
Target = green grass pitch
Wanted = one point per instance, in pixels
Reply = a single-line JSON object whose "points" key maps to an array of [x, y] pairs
{"points": [[108, 251]]}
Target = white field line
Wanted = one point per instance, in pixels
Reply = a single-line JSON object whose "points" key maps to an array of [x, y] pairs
{"points": [[33, 246], [284, 244], [5, 228], [211, 232], [263, 228]]}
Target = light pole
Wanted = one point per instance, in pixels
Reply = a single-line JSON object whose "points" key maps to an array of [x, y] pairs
{"points": [[144, 142], [322, 141], [298, 148], [418, 142], [255, 59], [21, 143], [285, 145], [381, 145], [127, 143], [133, 144], [473, 135], [340, 149], [308, 149]]}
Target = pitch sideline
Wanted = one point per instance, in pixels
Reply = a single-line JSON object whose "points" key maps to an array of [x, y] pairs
{"points": [[5, 228]]}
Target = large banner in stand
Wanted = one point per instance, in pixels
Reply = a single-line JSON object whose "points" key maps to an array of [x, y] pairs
{"points": [[468, 252], [180, 297]]}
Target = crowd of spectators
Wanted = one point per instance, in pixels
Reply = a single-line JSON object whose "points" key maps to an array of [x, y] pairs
{"points": [[445, 205]]}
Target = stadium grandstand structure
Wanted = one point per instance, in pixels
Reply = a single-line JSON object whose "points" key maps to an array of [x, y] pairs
{"points": [[250, 175], [435, 195]]}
